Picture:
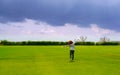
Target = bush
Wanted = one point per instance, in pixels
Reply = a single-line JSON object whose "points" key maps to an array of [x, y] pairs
{"points": [[107, 43], [5, 42], [85, 43]]}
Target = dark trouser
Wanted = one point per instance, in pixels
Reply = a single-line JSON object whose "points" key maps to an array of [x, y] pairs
{"points": [[71, 54]]}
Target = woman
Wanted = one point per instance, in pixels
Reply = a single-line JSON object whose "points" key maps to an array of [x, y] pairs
{"points": [[72, 49]]}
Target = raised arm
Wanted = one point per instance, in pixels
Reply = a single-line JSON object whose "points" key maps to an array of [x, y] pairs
{"points": [[75, 40]]}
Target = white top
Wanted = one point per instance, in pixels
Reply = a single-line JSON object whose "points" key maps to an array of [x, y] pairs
{"points": [[72, 46]]}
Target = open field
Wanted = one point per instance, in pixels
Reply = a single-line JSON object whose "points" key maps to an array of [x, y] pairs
{"points": [[54, 60]]}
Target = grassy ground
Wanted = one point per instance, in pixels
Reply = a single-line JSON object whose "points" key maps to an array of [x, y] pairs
{"points": [[54, 60]]}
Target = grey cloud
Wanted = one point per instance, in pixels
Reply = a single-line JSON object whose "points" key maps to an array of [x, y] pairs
{"points": [[59, 12]]}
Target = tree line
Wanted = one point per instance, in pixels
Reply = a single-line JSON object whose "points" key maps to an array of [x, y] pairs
{"points": [[5, 42]]}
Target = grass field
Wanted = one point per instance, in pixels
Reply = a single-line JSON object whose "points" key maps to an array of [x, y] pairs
{"points": [[54, 60]]}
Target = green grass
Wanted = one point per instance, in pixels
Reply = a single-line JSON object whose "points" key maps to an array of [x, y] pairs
{"points": [[54, 60]]}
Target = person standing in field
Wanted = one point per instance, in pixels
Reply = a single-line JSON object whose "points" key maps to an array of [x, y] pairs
{"points": [[72, 49]]}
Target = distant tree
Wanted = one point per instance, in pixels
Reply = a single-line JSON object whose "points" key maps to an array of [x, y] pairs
{"points": [[4, 42], [0, 42], [104, 39], [83, 38]]}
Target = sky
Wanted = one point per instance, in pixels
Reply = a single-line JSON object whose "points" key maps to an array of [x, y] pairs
{"points": [[59, 20]]}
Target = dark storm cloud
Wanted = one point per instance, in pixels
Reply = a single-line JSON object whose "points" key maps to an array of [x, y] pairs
{"points": [[57, 12]]}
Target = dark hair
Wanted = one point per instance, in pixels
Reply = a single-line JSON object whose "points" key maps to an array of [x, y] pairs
{"points": [[70, 42]]}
